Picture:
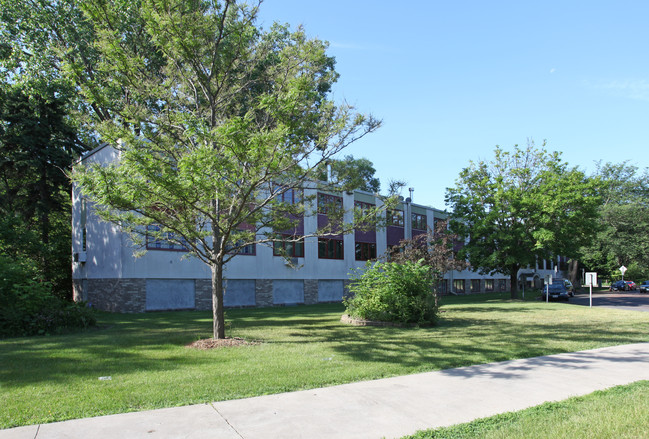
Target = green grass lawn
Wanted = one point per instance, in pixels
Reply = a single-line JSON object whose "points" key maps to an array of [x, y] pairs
{"points": [[45, 379], [620, 412]]}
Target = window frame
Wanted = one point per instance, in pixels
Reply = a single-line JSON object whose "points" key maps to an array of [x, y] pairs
{"points": [[422, 220], [326, 200], [151, 243], [340, 246], [392, 214], [294, 244], [365, 248]]}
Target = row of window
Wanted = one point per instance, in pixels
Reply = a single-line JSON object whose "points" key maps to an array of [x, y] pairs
{"points": [[460, 285]]}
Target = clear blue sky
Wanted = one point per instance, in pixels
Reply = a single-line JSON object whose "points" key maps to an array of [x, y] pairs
{"points": [[453, 79]]}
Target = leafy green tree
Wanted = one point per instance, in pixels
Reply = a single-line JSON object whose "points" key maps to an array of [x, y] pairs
{"points": [[37, 145], [624, 221], [525, 205], [393, 292], [435, 250], [235, 119], [350, 173]]}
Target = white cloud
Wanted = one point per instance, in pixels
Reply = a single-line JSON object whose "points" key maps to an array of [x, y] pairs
{"points": [[637, 89], [552, 70]]}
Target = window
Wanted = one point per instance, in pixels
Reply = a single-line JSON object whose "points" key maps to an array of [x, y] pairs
{"points": [[443, 286], [249, 249], [475, 285], [502, 285], [328, 203], [419, 221], [488, 285], [395, 218], [362, 206], [365, 251], [289, 247], [330, 249], [164, 241], [458, 285], [289, 196]]}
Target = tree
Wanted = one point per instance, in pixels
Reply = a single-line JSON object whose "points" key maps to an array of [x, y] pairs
{"points": [[37, 145], [350, 173], [212, 142], [435, 249], [523, 206], [624, 220]]}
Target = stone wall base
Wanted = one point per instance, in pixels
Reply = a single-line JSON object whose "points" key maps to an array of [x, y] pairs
{"points": [[129, 295]]}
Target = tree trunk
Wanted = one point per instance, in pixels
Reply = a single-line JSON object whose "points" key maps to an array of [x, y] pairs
{"points": [[573, 273], [218, 316], [513, 279]]}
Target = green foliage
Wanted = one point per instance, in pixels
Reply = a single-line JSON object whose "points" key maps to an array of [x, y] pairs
{"points": [[28, 307], [213, 137], [393, 292], [37, 145], [623, 222], [350, 173], [524, 206]]}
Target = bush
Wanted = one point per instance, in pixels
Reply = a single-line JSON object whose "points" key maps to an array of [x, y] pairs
{"points": [[393, 292], [28, 307]]}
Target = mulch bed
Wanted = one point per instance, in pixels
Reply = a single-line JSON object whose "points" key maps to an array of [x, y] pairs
{"points": [[213, 343]]}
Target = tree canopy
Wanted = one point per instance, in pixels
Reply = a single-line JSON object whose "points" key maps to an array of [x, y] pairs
{"points": [[623, 222], [219, 134], [523, 206]]}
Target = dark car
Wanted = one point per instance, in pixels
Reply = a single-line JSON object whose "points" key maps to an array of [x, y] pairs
{"points": [[631, 284], [644, 287], [619, 285], [557, 291]]}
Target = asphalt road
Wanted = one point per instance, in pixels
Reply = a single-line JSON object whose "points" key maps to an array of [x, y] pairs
{"points": [[629, 300]]}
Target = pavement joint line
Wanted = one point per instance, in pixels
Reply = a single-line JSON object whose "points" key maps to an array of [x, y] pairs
{"points": [[37, 430], [225, 419]]}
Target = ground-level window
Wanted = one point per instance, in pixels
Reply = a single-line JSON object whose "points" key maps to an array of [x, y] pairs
{"points": [[458, 285], [330, 249], [488, 285], [365, 251], [443, 286], [290, 246], [502, 285], [475, 285]]}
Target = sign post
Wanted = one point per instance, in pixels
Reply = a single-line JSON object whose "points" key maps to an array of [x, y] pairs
{"points": [[548, 281], [591, 279]]}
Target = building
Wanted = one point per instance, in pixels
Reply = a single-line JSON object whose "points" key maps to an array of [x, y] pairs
{"points": [[107, 273]]}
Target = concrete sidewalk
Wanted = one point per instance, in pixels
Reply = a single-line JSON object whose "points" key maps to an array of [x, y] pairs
{"points": [[390, 407]]}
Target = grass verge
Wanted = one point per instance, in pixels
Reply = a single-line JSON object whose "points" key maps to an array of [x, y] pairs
{"points": [[619, 412], [46, 379]]}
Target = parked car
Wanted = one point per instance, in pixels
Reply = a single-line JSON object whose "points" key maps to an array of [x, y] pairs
{"points": [[569, 287], [631, 284], [619, 285], [644, 287], [557, 291]]}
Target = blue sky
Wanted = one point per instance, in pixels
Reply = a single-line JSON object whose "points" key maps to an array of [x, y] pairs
{"points": [[453, 79]]}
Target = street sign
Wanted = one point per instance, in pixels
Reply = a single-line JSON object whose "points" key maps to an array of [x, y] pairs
{"points": [[622, 270], [548, 279], [591, 279]]}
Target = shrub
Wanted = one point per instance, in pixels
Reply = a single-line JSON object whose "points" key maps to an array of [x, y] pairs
{"points": [[393, 292], [28, 307]]}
